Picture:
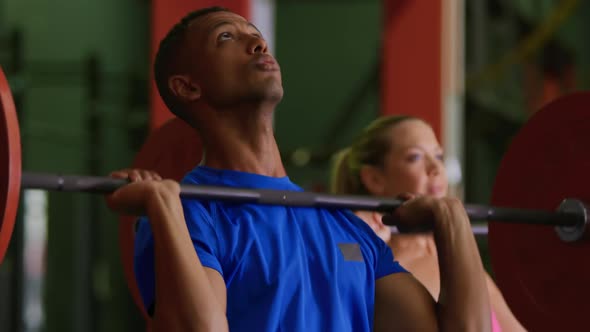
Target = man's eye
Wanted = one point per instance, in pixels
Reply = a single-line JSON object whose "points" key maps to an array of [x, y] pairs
{"points": [[225, 36]]}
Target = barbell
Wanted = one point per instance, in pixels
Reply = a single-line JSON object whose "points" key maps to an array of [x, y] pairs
{"points": [[528, 194], [569, 218]]}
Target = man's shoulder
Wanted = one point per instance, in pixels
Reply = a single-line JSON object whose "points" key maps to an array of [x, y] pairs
{"points": [[362, 231], [353, 221]]}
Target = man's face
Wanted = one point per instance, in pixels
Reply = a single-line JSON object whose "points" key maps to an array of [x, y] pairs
{"points": [[228, 59]]}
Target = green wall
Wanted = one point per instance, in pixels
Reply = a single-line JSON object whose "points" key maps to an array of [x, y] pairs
{"points": [[328, 51]]}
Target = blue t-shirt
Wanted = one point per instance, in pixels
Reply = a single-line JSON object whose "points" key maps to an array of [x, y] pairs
{"points": [[285, 268]]}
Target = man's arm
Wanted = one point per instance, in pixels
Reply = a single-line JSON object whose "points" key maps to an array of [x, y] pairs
{"points": [[463, 303], [402, 303], [189, 296]]}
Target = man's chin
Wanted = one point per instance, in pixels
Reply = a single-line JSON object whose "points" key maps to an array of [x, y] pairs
{"points": [[272, 92]]}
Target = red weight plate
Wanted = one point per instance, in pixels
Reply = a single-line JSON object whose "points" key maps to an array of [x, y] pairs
{"points": [[544, 280], [172, 150], [10, 164]]}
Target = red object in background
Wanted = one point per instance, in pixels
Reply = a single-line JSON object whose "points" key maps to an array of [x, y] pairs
{"points": [[550, 78], [544, 280], [542, 88], [411, 74], [10, 165], [166, 13]]}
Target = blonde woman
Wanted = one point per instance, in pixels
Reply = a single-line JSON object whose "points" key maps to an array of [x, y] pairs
{"points": [[396, 155]]}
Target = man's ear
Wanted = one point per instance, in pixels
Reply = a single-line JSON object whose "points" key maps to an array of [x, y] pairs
{"points": [[184, 88], [372, 178]]}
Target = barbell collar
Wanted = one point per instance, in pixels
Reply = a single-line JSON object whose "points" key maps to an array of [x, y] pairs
{"points": [[575, 232]]}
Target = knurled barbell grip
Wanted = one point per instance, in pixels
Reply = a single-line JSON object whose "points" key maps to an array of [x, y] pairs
{"points": [[75, 183]]}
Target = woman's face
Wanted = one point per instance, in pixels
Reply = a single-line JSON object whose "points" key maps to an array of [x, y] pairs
{"points": [[414, 163]]}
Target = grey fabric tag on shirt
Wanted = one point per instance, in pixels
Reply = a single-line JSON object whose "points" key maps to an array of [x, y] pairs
{"points": [[351, 252]]}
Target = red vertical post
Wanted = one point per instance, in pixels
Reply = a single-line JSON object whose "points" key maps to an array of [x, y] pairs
{"points": [[411, 72]]}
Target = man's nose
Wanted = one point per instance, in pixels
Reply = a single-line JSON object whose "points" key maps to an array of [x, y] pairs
{"points": [[257, 45]]}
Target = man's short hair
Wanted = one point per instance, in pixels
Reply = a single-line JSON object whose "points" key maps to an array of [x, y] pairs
{"points": [[167, 55]]}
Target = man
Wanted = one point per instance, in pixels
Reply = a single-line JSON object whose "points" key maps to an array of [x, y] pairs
{"points": [[209, 265]]}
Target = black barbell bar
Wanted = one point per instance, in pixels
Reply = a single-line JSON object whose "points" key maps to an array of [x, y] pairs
{"points": [[570, 218]]}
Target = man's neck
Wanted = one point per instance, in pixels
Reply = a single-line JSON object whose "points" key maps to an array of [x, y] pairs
{"points": [[242, 140]]}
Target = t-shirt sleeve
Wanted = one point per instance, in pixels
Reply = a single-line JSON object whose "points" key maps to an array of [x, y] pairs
{"points": [[203, 236], [386, 263], [202, 231], [143, 262]]}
